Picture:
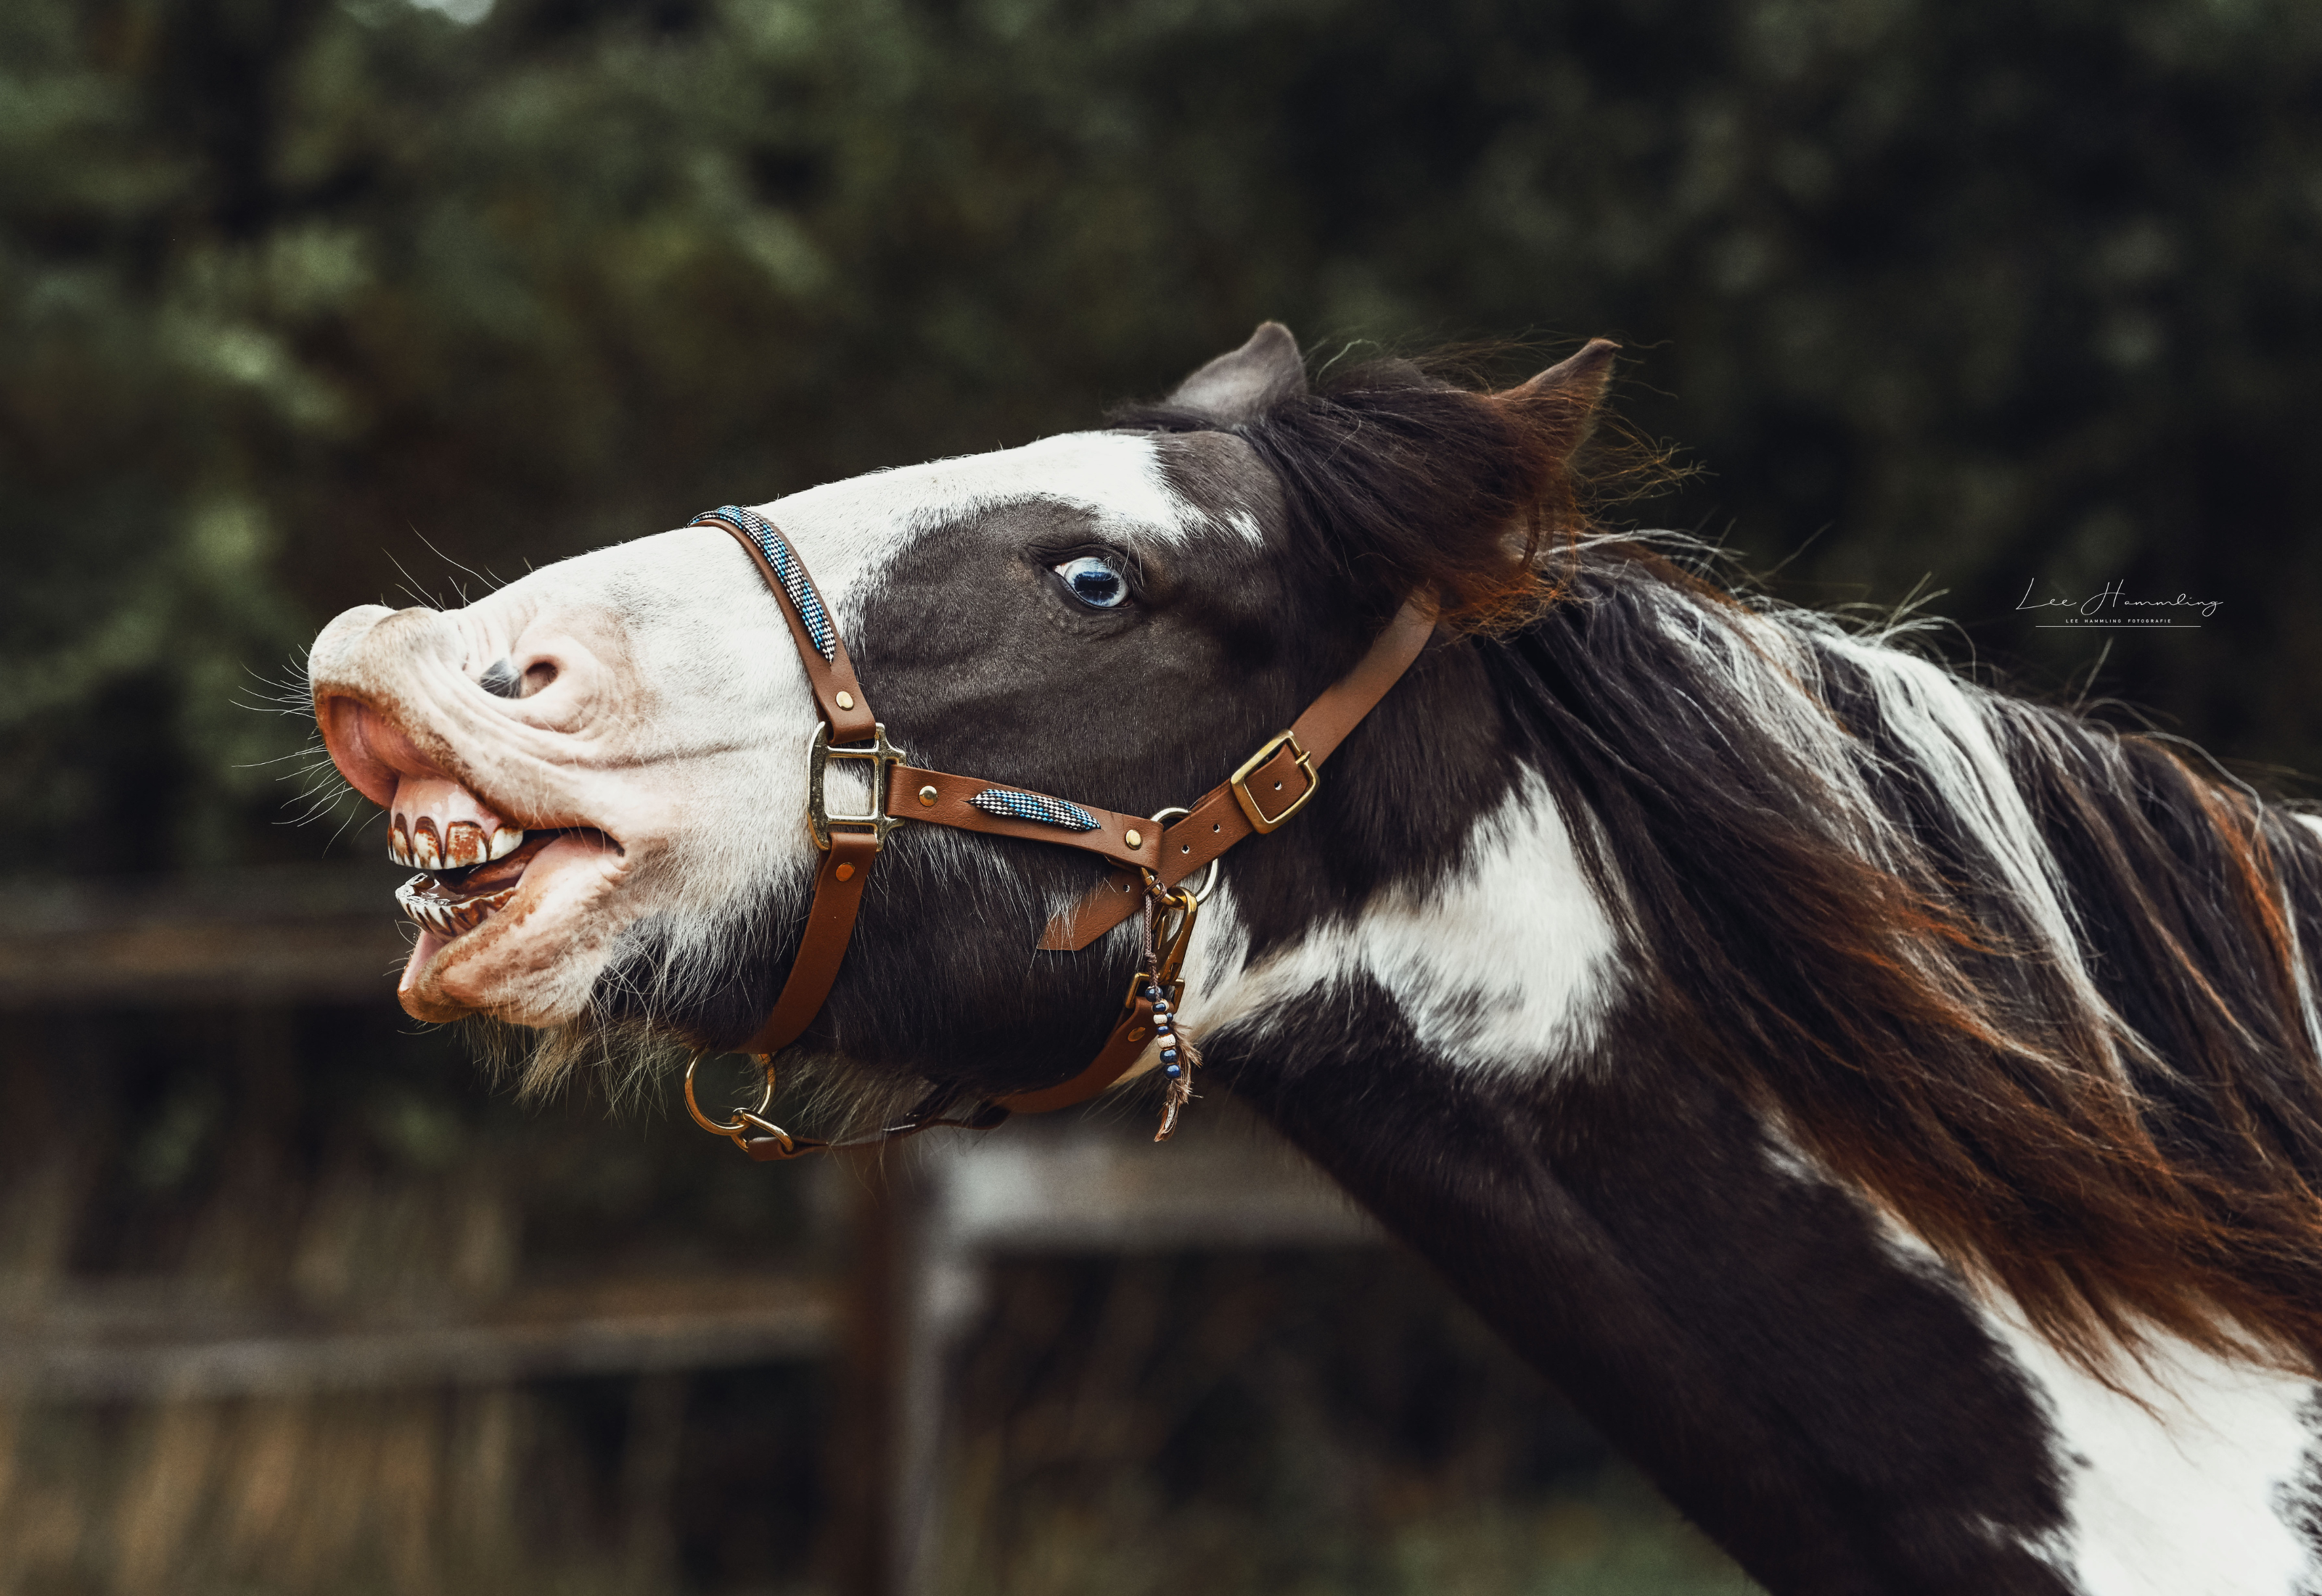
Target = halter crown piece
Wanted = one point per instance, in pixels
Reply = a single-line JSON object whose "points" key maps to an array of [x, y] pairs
{"points": [[1153, 855]]}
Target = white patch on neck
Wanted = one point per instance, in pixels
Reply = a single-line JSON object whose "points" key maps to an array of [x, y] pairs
{"points": [[2175, 1485], [1507, 965]]}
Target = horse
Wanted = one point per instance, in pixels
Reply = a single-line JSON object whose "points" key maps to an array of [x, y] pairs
{"points": [[1890, 1109]]}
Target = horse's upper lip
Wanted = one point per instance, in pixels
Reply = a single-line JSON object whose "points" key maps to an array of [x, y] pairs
{"points": [[476, 849]]}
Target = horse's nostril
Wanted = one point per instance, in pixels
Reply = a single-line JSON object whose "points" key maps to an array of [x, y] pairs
{"points": [[502, 678]]}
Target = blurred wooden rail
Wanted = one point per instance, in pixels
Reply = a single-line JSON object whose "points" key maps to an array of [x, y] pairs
{"points": [[81, 1343], [290, 934]]}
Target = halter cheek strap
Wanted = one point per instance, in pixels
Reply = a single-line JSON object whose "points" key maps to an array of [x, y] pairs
{"points": [[1270, 788]]}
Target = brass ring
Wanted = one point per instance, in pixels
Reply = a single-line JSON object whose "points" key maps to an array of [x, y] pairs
{"points": [[1209, 874], [743, 1119]]}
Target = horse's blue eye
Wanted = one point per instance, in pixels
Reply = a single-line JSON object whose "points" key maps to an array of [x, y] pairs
{"points": [[1094, 581]]}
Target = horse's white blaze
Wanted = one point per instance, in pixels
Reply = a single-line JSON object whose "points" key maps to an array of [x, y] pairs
{"points": [[1506, 964], [848, 531]]}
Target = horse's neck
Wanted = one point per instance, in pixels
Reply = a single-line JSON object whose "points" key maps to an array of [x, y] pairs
{"points": [[1475, 1061]]}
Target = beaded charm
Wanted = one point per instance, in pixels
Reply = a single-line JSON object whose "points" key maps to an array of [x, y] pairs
{"points": [[1179, 1057]]}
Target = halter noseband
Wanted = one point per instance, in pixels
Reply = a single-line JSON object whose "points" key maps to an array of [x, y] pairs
{"points": [[1153, 858]]}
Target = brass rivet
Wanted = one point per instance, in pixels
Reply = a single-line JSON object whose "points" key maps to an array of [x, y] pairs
{"points": [[1137, 1035], [845, 872], [927, 796], [846, 700], [1134, 839]]}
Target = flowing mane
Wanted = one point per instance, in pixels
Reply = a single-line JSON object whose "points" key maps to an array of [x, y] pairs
{"points": [[2035, 985]]}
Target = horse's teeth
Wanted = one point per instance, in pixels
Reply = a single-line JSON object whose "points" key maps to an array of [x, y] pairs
{"points": [[452, 919], [420, 845]]}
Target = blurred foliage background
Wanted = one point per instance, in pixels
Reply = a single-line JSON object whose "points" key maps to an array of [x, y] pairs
{"points": [[309, 303], [296, 293]]}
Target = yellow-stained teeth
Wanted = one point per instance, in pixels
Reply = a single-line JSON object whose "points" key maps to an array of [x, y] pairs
{"points": [[415, 846], [463, 845]]}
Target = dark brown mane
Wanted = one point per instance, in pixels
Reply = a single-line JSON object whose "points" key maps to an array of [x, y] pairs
{"points": [[1388, 469], [2119, 1131]]}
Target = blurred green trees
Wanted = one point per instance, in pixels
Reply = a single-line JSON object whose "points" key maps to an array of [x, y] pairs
{"points": [[296, 291]]}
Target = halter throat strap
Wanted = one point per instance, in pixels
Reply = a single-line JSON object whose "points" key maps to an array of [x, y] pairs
{"points": [[1269, 788]]}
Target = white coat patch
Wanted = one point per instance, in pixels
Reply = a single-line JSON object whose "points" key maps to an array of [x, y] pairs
{"points": [[2184, 1494], [848, 531], [2178, 1484], [1507, 965]]}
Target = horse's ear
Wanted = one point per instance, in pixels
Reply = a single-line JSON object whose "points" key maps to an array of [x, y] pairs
{"points": [[1239, 387], [1561, 403]]}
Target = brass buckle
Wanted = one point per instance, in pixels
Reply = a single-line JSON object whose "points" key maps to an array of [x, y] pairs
{"points": [[1240, 782], [882, 755]]}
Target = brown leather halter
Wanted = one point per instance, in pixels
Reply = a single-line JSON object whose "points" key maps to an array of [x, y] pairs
{"points": [[1154, 859]]}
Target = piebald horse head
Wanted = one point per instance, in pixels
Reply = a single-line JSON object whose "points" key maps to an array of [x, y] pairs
{"points": [[603, 765]]}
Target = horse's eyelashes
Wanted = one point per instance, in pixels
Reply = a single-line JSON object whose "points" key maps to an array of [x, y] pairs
{"points": [[1094, 580]]}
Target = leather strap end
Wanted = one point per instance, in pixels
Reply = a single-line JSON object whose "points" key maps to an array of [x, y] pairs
{"points": [[1131, 1035]]}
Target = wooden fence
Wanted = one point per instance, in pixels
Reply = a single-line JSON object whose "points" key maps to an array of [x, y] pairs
{"points": [[920, 1228]]}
